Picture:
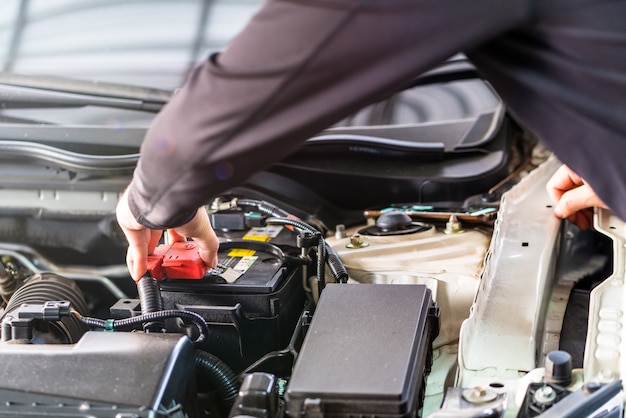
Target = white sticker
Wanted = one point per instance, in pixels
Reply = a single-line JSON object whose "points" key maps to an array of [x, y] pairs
{"points": [[230, 275], [245, 263]]}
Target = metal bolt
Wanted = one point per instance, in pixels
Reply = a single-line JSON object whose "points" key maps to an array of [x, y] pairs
{"points": [[453, 226], [545, 395], [340, 231], [591, 387], [479, 394], [356, 241]]}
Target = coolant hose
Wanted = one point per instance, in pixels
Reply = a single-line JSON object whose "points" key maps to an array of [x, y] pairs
{"points": [[220, 375]]}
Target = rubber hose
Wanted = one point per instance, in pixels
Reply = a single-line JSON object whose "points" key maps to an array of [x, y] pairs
{"points": [[303, 226], [47, 286], [8, 283], [186, 316], [321, 265], [220, 375], [264, 207], [150, 301], [337, 268]]}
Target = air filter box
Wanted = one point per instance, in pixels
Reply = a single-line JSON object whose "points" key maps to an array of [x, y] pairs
{"points": [[366, 352]]}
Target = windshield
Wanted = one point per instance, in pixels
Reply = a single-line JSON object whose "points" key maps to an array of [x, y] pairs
{"points": [[139, 43], [143, 43]]}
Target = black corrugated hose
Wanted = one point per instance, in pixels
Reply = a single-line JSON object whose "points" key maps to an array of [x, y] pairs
{"points": [[47, 286], [186, 316], [220, 375], [8, 284], [338, 270], [264, 207], [151, 301], [321, 264], [218, 372]]}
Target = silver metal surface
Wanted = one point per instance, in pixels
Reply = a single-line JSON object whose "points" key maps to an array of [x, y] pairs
{"points": [[455, 404]]}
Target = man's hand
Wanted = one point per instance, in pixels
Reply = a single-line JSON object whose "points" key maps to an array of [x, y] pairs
{"points": [[142, 241], [573, 197]]}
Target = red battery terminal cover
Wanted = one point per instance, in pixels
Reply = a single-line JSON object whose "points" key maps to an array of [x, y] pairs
{"points": [[179, 260]]}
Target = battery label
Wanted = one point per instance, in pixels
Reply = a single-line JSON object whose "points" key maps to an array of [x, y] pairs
{"points": [[230, 275], [245, 263], [241, 252], [234, 266], [263, 234]]}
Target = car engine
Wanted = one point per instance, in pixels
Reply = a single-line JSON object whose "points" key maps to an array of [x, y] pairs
{"points": [[395, 266], [371, 319]]}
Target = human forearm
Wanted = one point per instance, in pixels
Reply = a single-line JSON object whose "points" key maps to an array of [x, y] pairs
{"points": [[296, 69]]}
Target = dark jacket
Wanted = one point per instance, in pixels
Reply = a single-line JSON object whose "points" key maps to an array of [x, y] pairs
{"points": [[301, 65]]}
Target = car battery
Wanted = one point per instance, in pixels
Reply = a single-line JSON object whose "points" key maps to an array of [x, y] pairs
{"points": [[252, 300], [366, 353]]}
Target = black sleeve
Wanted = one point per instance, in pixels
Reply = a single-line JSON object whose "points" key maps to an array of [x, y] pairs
{"points": [[298, 67], [564, 77]]}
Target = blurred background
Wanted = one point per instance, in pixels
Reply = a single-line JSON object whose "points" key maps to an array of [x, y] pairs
{"points": [[150, 43]]}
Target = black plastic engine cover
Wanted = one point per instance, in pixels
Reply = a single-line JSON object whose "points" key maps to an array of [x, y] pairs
{"points": [[104, 374]]}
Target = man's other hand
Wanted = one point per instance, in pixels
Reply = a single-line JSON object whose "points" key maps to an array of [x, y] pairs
{"points": [[573, 198]]}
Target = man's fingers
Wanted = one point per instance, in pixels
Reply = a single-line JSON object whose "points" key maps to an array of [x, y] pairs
{"points": [[576, 199], [199, 229], [141, 240], [137, 255], [134, 265], [155, 237], [175, 236], [209, 257], [562, 180], [572, 197], [583, 219]]}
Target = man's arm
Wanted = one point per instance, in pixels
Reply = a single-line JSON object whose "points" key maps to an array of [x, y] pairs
{"points": [[297, 68]]}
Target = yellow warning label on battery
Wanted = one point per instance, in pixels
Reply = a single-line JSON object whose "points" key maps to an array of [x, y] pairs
{"points": [[241, 252], [256, 238]]}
